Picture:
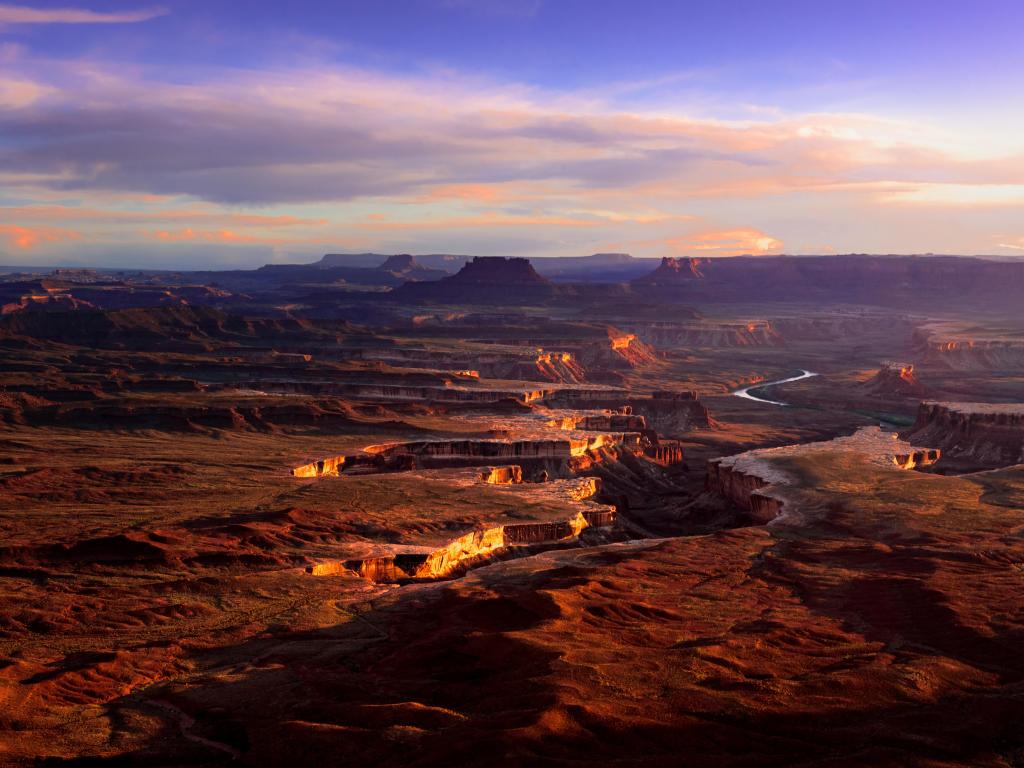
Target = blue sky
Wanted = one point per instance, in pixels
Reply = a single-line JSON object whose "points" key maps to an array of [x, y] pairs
{"points": [[201, 133]]}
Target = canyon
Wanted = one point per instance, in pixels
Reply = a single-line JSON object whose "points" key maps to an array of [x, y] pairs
{"points": [[390, 509]]}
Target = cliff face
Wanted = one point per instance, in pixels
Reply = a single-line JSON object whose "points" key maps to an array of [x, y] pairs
{"points": [[560, 367], [673, 413], [741, 486], [485, 279], [672, 272], [903, 281], [668, 413], [510, 475], [400, 457], [895, 379], [478, 547], [666, 453], [491, 270], [976, 435], [708, 334], [754, 480], [962, 354]]}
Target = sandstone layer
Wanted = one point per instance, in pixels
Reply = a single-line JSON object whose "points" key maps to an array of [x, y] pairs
{"points": [[980, 435]]}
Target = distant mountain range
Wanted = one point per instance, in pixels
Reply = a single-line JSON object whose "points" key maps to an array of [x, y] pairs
{"points": [[596, 268]]}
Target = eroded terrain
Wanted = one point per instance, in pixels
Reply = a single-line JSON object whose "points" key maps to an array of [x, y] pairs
{"points": [[490, 517]]}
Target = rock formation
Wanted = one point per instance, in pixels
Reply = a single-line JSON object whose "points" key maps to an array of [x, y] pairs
{"points": [[481, 545], [897, 281], [959, 351], [895, 379], [509, 475], [672, 333], [972, 435], [673, 413], [669, 413], [399, 457], [672, 271], [485, 279], [756, 482]]}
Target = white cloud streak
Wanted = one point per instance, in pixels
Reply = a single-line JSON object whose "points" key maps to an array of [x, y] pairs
{"points": [[23, 14]]}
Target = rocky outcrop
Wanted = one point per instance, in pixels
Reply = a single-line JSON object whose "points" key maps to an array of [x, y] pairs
{"points": [[672, 272], [673, 413], [895, 380], [558, 366], [670, 334], [843, 323], [507, 364], [489, 270], [627, 348], [669, 413], [965, 354], [410, 392], [602, 422], [756, 482], [485, 279], [896, 281], [483, 544], [471, 549], [741, 483], [972, 435], [510, 475], [436, 454], [400, 264], [667, 453], [323, 468]]}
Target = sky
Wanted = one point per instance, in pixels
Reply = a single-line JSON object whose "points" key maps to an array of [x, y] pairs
{"points": [[207, 133]]}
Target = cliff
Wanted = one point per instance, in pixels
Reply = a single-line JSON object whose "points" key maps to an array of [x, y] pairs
{"points": [[671, 333], [972, 435], [672, 272], [760, 482], [895, 379], [480, 546], [485, 279], [490, 270], [896, 281], [669, 413], [958, 350], [395, 457]]}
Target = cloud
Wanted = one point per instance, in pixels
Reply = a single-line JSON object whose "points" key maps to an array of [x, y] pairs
{"points": [[214, 236], [343, 134], [1016, 245], [732, 242], [22, 14], [27, 238], [191, 215], [296, 157]]}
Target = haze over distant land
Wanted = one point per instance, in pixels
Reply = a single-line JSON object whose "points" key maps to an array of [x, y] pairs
{"points": [[498, 128]]}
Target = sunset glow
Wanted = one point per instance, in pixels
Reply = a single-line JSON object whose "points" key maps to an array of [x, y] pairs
{"points": [[340, 127]]}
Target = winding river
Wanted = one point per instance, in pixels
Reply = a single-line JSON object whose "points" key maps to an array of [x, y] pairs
{"points": [[745, 392]]}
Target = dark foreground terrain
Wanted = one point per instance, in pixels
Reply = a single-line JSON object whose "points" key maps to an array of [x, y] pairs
{"points": [[370, 512]]}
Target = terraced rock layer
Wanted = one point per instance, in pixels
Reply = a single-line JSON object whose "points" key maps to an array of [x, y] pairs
{"points": [[984, 435], [758, 481]]}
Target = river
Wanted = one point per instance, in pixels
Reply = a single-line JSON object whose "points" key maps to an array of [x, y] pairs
{"points": [[746, 391]]}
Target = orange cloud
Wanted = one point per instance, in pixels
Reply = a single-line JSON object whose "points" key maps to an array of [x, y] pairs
{"points": [[1015, 244], [230, 236], [210, 236], [26, 238], [376, 221], [475, 193], [730, 242], [63, 213]]}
